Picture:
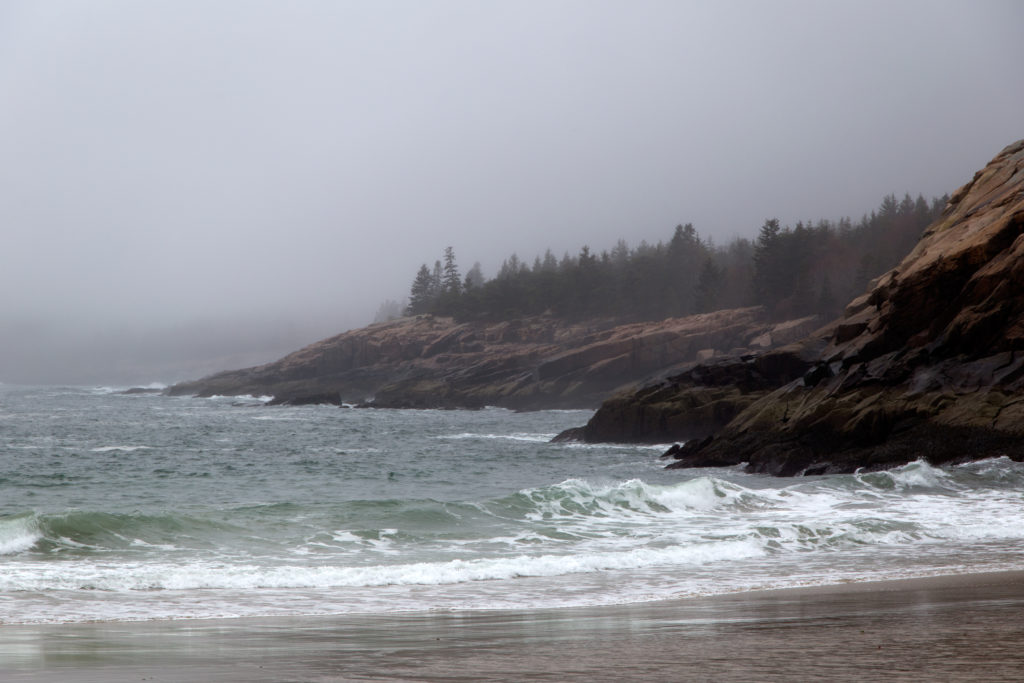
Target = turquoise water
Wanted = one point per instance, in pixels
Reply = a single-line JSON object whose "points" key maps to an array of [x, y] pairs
{"points": [[120, 506]]}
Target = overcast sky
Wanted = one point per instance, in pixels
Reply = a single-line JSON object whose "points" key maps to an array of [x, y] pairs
{"points": [[183, 169]]}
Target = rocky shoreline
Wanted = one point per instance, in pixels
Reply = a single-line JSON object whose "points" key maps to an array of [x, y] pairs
{"points": [[532, 363], [929, 363]]}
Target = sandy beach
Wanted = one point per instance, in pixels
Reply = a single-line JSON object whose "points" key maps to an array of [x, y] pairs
{"points": [[962, 627]]}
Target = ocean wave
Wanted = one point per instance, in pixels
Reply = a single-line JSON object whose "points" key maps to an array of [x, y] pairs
{"points": [[18, 533], [918, 504], [992, 472], [580, 498], [575, 526], [92, 532], [917, 474], [219, 575]]}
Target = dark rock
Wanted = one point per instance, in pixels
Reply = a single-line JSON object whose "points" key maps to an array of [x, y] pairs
{"points": [[672, 451], [698, 402], [571, 434]]}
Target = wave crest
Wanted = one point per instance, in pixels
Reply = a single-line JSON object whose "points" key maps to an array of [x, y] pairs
{"points": [[917, 474], [18, 533]]}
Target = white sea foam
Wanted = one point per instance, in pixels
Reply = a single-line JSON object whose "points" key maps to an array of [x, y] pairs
{"points": [[629, 498], [219, 575], [701, 493], [345, 536], [280, 418], [241, 397], [18, 534], [152, 386], [581, 446], [125, 449], [533, 438]]}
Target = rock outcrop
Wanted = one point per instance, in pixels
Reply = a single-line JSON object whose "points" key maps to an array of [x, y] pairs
{"points": [[428, 362], [929, 363]]}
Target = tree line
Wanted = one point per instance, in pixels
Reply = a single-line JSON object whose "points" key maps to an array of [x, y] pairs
{"points": [[810, 268]]}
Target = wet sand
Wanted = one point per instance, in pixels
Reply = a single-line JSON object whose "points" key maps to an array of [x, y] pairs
{"points": [[955, 628]]}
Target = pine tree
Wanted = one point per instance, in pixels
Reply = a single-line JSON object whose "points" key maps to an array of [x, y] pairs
{"points": [[685, 254], [709, 286], [437, 279], [452, 282], [767, 264], [421, 294], [474, 278]]}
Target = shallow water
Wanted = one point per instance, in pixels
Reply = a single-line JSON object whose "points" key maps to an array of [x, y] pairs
{"points": [[147, 507]]}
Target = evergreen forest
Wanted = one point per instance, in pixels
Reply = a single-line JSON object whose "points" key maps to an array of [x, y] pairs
{"points": [[809, 268]]}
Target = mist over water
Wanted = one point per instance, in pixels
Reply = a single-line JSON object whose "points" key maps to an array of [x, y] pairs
{"points": [[210, 174], [151, 507], [126, 354]]}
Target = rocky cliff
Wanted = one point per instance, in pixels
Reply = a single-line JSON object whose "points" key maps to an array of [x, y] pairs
{"points": [[525, 364], [928, 363]]}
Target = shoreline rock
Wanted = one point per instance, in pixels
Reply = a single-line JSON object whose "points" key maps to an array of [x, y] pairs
{"points": [[929, 363], [533, 363]]}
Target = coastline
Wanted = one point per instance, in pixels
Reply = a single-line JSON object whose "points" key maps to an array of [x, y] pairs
{"points": [[952, 627]]}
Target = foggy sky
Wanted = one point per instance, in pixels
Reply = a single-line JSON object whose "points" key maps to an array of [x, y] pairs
{"points": [[245, 177]]}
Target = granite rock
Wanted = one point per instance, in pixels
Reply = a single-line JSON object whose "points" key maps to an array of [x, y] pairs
{"points": [[541, 362]]}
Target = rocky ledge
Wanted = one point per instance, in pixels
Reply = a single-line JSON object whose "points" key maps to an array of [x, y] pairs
{"points": [[929, 363], [429, 362]]}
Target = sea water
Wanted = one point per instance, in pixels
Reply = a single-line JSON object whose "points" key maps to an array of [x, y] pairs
{"points": [[144, 506]]}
